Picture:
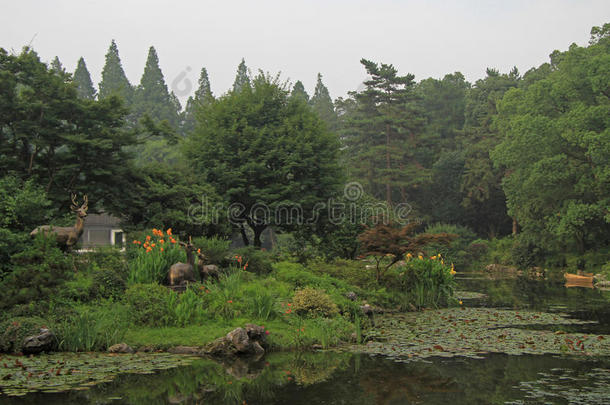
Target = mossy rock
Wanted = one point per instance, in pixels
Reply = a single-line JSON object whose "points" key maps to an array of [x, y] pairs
{"points": [[14, 330]]}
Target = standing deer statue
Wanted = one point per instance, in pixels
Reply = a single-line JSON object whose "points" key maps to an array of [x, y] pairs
{"points": [[181, 272], [67, 236]]}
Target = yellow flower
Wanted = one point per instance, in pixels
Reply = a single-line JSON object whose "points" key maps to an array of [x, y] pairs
{"points": [[409, 255], [433, 257], [420, 257], [461, 302]]}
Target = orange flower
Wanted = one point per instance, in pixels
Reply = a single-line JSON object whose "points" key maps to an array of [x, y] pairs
{"points": [[147, 237], [169, 231], [162, 249], [153, 245], [172, 240], [161, 241], [148, 249], [135, 242], [230, 301]]}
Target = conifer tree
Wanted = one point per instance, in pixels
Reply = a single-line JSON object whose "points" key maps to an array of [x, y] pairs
{"points": [[242, 79], [82, 78], [298, 91], [57, 66], [114, 81], [203, 96], [323, 104], [152, 96]]}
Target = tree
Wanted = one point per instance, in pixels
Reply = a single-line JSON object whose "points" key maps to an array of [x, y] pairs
{"points": [[152, 96], [203, 96], [323, 104], [242, 79], [114, 81], [83, 81], [57, 66], [556, 150], [61, 142], [385, 240], [381, 133], [299, 91], [267, 154]]}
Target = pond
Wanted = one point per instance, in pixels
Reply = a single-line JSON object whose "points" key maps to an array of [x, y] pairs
{"points": [[540, 343]]}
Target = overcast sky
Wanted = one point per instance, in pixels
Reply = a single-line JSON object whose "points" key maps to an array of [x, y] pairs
{"points": [[300, 38]]}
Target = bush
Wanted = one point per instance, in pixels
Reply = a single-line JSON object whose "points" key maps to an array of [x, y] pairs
{"points": [[149, 304], [108, 283], [14, 330], [215, 249], [457, 251], [37, 274], [259, 261], [312, 302]]}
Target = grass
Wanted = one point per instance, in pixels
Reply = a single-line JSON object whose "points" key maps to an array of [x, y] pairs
{"points": [[283, 333]]}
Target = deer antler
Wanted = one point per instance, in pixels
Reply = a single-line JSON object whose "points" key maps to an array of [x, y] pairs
{"points": [[85, 202], [74, 206]]}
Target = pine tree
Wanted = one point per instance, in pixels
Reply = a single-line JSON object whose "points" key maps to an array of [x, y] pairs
{"points": [[298, 91], [323, 104], [57, 66], [114, 81], [242, 79], [203, 96], [152, 96], [82, 78]]}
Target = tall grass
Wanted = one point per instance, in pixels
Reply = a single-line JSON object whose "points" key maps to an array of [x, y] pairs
{"points": [[93, 329]]}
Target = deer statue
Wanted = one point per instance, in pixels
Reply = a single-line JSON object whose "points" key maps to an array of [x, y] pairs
{"points": [[206, 271], [67, 236], [181, 272]]}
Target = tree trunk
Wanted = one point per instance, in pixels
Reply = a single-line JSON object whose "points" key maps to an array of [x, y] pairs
{"points": [[515, 227], [258, 230], [244, 236], [388, 188]]}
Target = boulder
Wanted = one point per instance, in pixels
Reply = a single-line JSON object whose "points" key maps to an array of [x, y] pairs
{"points": [[43, 342], [120, 348], [351, 296], [250, 340]]}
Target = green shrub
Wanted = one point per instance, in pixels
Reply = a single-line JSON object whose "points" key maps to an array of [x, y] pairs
{"points": [[312, 302], [38, 272], [215, 249], [108, 283], [457, 251], [259, 262], [93, 327], [149, 304], [14, 330], [80, 288]]}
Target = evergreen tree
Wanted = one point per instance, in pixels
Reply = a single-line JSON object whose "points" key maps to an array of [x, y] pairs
{"points": [[114, 81], [298, 91], [83, 81], [152, 96], [381, 131], [323, 104], [242, 79], [57, 66], [203, 96]]}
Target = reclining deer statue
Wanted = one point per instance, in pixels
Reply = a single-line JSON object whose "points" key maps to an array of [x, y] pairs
{"points": [[182, 272], [206, 271], [67, 236]]}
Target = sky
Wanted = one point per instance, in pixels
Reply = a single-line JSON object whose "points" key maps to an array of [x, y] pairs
{"points": [[300, 38]]}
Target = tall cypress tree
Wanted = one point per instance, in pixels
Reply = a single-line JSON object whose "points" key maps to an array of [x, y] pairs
{"points": [[242, 79], [114, 81], [152, 96], [323, 104], [82, 78], [298, 91], [203, 96]]}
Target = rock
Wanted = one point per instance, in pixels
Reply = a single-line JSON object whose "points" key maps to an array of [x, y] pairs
{"points": [[120, 348], [43, 342], [184, 350], [316, 347], [146, 349], [239, 338], [351, 296], [250, 340]]}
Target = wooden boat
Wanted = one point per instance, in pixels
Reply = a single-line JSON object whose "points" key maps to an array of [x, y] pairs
{"points": [[576, 280]]}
